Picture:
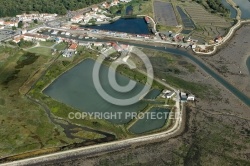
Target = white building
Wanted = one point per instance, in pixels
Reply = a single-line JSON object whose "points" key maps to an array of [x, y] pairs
{"points": [[32, 17], [77, 19], [35, 36], [191, 97]]}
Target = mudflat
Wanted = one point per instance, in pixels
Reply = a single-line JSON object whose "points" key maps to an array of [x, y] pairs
{"points": [[230, 61]]}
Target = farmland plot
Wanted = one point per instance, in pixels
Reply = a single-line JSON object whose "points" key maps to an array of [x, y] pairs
{"points": [[208, 25], [200, 16], [164, 13]]}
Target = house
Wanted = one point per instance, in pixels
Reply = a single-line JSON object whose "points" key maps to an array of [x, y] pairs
{"points": [[32, 17], [1, 22], [24, 31], [77, 19], [1, 27], [11, 23], [125, 1], [97, 44], [81, 43], [18, 38], [58, 40], [218, 39], [169, 95], [116, 47], [183, 96], [34, 36], [105, 5], [191, 97], [73, 47], [95, 8], [114, 3]]}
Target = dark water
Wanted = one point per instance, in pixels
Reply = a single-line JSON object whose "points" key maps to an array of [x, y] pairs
{"points": [[233, 12], [244, 7], [153, 94], [129, 10], [187, 22], [76, 88], [151, 122], [248, 64], [127, 25]]}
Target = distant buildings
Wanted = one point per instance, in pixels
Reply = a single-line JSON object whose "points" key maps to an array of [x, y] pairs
{"points": [[9, 23], [32, 17], [31, 37], [186, 97]]}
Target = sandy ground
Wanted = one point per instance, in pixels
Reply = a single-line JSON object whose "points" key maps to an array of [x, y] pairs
{"points": [[230, 61]]}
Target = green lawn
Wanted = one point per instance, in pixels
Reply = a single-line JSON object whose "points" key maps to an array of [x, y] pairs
{"points": [[61, 46], [41, 50], [47, 43]]}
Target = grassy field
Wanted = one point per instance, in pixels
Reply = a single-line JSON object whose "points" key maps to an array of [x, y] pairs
{"points": [[61, 46], [41, 50], [47, 43], [24, 125]]}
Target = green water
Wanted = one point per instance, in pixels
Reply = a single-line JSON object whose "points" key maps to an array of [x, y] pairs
{"points": [[76, 88], [150, 122]]}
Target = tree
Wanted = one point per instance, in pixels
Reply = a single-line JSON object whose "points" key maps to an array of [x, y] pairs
{"points": [[20, 24], [13, 28], [36, 21]]}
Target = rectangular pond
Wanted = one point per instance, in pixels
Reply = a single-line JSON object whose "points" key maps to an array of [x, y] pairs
{"points": [[76, 89], [154, 119], [127, 25]]}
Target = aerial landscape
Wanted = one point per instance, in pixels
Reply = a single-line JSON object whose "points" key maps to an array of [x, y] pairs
{"points": [[124, 82]]}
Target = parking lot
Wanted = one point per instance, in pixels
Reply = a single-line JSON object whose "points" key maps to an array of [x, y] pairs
{"points": [[164, 14], [5, 33]]}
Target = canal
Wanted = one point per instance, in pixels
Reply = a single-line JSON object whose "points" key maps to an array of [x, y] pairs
{"points": [[244, 6]]}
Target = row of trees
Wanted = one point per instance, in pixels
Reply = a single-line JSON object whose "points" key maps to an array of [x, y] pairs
{"points": [[14, 7], [217, 6]]}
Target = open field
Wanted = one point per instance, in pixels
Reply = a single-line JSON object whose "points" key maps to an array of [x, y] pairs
{"points": [[24, 125], [41, 50], [164, 14], [143, 8], [61, 46]]}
